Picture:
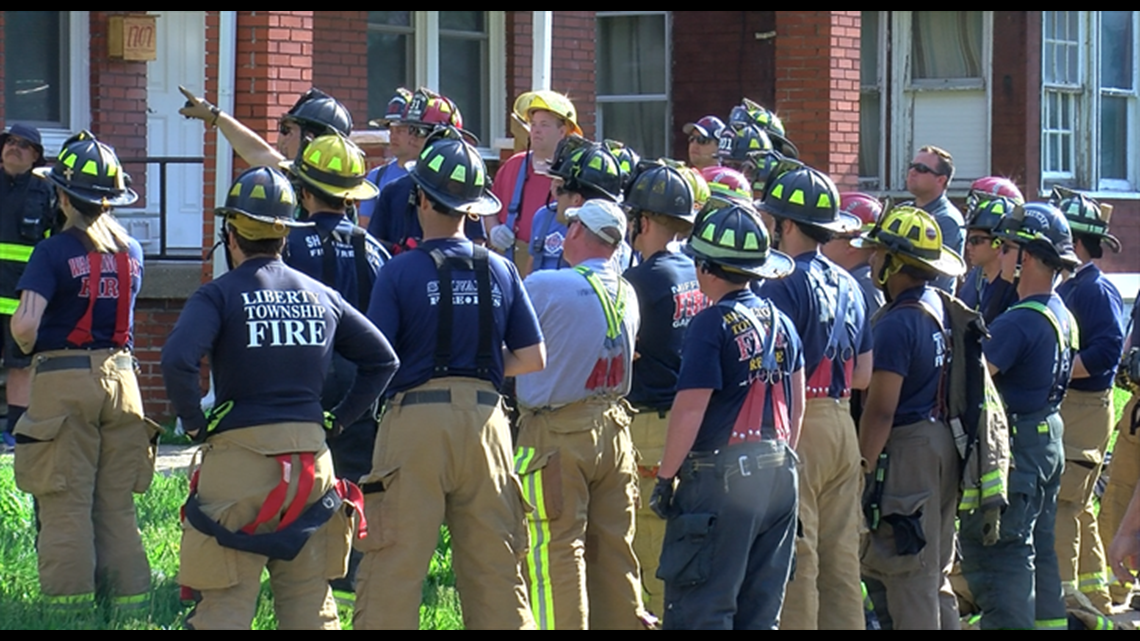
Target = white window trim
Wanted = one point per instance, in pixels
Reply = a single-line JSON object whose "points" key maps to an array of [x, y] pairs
{"points": [[79, 88], [1086, 171], [599, 119], [877, 182]]}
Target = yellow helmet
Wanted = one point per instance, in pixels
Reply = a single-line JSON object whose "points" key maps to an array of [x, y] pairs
{"points": [[335, 166], [547, 100], [914, 237]]}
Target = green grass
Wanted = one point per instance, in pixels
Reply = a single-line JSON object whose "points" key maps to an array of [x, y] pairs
{"points": [[22, 609]]}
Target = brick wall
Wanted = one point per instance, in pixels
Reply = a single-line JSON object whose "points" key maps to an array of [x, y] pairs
{"points": [[712, 79], [1016, 113], [118, 100], [340, 59], [572, 66], [817, 88], [153, 320]]}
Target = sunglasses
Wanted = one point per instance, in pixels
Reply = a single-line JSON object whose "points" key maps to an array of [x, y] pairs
{"points": [[702, 140], [1006, 247], [980, 240], [19, 143], [924, 169], [285, 128]]}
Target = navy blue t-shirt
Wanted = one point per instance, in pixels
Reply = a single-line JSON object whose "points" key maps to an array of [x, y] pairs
{"points": [[404, 308], [270, 332], [670, 297], [810, 297], [970, 292], [304, 252], [379, 176], [1023, 347], [911, 344], [1096, 304], [395, 220], [59, 271], [723, 352]]}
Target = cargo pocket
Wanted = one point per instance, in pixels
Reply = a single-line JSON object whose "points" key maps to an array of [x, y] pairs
{"points": [[203, 563], [894, 548], [540, 476], [380, 507], [1018, 518], [339, 532], [686, 553], [146, 465], [38, 466], [520, 539]]}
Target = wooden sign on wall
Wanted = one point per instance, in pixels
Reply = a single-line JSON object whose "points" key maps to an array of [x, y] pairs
{"points": [[132, 38]]}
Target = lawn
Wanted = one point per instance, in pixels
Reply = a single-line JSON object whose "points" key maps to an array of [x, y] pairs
{"points": [[21, 608]]}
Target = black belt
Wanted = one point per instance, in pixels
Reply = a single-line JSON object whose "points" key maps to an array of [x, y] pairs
{"points": [[735, 460], [426, 397], [59, 363]]}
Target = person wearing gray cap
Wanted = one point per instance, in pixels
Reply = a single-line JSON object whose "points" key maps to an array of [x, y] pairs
{"points": [[26, 211]]}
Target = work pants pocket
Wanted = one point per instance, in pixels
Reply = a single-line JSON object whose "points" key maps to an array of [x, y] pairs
{"points": [[150, 456], [39, 466], [339, 532], [686, 554], [381, 502], [203, 563], [894, 547], [540, 477]]}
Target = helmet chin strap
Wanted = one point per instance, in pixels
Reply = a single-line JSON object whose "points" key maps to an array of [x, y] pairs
{"points": [[1017, 269], [223, 242], [634, 227], [778, 233], [888, 269]]}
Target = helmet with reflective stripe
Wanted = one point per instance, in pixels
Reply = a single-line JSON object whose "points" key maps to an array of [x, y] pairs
{"points": [[89, 171], [695, 179], [334, 165], [582, 163], [1041, 229], [1085, 215], [626, 158], [547, 100], [728, 185], [260, 205], [320, 111], [988, 212], [429, 109], [808, 196], [736, 145], [734, 237], [660, 189], [987, 186], [752, 113], [452, 173], [759, 167], [913, 236], [395, 111]]}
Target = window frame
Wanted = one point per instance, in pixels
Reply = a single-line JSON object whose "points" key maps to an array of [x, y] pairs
{"points": [[666, 98]]}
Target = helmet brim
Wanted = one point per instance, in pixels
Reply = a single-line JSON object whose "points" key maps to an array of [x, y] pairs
{"points": [[776, 264], [485, 205], [843, 224], [268, 220], [124, 198], [363, 191], [948, 263]]}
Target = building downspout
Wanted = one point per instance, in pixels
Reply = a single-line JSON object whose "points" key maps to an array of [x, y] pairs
{"points": [[223, 151]]}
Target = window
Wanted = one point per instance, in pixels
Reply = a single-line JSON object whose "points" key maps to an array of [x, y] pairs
{"points": [[924, 80], [633, 80], [45, 72], [461, 54], [1089, 99]]}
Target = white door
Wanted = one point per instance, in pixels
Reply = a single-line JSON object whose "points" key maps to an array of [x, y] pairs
{"points": [[181, 37]]}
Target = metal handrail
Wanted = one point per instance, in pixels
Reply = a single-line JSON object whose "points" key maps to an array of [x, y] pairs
{"points": [[163, 162]]}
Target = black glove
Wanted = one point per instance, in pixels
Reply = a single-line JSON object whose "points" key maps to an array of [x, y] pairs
{"points": [[661, 501]]}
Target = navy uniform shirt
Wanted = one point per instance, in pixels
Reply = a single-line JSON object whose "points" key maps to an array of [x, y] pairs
{"points": [[379, 176], [395, 221], [404, 308], [304, 252], [1023, 347], [27, 206], [811, 301], [723, 352], [1136, 321], [911, 344], [670, 297], [59, 270], [988, 298], [970, 292], [1096, 304], [270, 333]]}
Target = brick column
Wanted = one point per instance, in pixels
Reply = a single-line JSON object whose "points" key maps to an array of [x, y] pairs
{"points": [[573, 66], [118, 100], [817, 88], [340, 60]]}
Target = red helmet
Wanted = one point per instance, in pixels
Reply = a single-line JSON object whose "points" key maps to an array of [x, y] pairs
{"points": [[728, 184], [992, 186], [427, 108], [863, 206]]}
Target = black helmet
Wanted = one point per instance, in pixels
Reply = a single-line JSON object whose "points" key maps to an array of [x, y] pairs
{"points": [[626, 158], [1041, 230], [452, 173], [752, 113], [737, 144], [320, 111], [584, 164], [660, 189], [988, 212], [807, 196], [1084, 216], [735, 238], [759, 168], [260, 204], [395, 111], [89, 171]]}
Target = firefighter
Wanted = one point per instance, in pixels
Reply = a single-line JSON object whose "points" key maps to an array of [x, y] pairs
{"points": [[704, 140], [27, 211], [575, 457], [1087, 411], [1016, 581], [752, 113], [727, 481], [315, 113], [83, 447], [461, 322], [843, 252], [1118, 519], [984, 290], [265, 494], [660, 208], [826, 306], [401, 145], [521, 184], [914, 496]]}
